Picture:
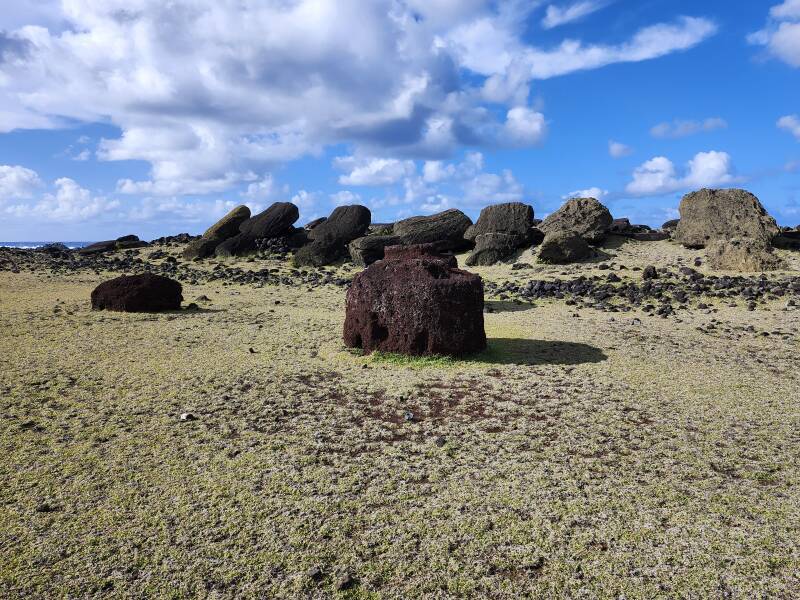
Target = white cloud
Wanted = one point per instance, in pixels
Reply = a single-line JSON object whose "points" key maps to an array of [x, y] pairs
{"points": [[557, 16], [373, 171], [618, 149], [70, 202], [275, 81], [659, 176], [82, 156], [682, 128], [592, 192], [790, 123], [491, 188], [781, 35], [524, 126], [307, 202], [345, 197], [17, 182], [266, 190]]}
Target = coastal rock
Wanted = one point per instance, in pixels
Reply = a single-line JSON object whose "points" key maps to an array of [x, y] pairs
{"points": [[138, 293], [743, 255], [329, 239], [126, 241], [228, 226], [493, 247], [445, 229], [585, 217], [415, 302], [562, 247], [276, 221], [366, 250], [712, 215]]}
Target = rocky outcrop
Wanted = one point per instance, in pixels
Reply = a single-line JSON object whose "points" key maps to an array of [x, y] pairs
{"points": [[366, 250], [121, 243], [329, 239], [562, 247], [491, 248], [709, 216], [501, 229], [225, 228], [138, 293], [743, 255], [584, 217], [445, 230], [276, 221], [415, 302]]}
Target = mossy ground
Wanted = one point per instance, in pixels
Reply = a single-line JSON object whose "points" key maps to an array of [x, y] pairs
{"points": [[579, 456]]}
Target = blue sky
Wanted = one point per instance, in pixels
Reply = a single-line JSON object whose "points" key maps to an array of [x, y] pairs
{"points": [[129, 116]]}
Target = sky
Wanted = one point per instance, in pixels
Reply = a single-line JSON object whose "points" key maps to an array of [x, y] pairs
{"points": [[154, 118]]}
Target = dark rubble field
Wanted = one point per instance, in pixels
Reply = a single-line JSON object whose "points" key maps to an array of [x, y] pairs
{"points": [[597, 449]]}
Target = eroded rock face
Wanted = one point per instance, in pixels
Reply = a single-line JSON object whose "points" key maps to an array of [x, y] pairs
{"points": [[138, 293], [584, 217], [225, 228], [501, 229], [276, 221], [445, 230], [366, 250], [561, 247], [415, 302], [329, 239], [743, 255], [709, 216]]}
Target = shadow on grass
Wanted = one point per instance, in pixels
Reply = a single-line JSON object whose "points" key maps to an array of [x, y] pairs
{"points": [[506, 351]]}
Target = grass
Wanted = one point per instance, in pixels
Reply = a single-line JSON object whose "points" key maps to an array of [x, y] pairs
{"points": [[575, 457]]}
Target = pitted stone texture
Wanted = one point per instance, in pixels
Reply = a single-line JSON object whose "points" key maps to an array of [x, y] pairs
{"points": [[138, 293]]}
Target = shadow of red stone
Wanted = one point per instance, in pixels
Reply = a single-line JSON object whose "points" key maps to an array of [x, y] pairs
{"points": [[522, 351]]}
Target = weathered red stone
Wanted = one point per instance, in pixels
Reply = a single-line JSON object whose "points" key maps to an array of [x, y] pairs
{"points": [[415, 302], [138, 293]]}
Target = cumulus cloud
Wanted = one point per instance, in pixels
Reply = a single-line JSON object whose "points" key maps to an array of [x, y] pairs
{"points": [[70, 202], [270, 82], [790, 123], [781, 35], [266, 190], [618, 149], [17, 182], [659, 176], [373, 171], [592, 192], [561, 15], [345, 197], [679, 128]]}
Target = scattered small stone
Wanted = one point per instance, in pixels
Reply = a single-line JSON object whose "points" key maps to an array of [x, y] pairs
{"points": [[345, 582], [315, 574], [188, 417]]}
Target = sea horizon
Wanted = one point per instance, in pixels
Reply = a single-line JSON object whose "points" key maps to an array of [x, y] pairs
{"points": [[31, 245]]}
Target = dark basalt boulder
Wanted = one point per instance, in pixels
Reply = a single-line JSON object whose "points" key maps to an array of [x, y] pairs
{"points": [[138, 293], [121, 243], [312, 224], [366, 250], [445, 230], [225, 228], [584, 217], [415, 302], [329, 239], [491, 248], [670, 225], [563, 247], [712, 215], [276, 221]]}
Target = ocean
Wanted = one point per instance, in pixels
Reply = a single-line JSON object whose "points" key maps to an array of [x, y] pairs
{"points": [[40, 244]]}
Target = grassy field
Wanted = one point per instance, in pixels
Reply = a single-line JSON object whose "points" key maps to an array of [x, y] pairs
{"points": [[583, 454]]}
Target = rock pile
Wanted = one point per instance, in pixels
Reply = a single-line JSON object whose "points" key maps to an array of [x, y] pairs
{"points": [[276, 221], [500, 231], [445, 230], [224, 229], [138, 293], [329, 238], [121, 243], [415, 302]]}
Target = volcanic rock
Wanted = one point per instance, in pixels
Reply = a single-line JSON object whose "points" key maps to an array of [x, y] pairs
{"points": [[415, 302], [584, 217], [366, 250], [445, 229], [276, 221], [562, 247], [138, 293], [743, 255], [330, 238], [719, 215], [493, 247], [126, 241], [500, 230]]}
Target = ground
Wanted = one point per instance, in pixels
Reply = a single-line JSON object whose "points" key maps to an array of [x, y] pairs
{"points": [[584, 454]]}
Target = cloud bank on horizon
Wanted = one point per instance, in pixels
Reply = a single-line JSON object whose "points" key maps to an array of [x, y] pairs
{"points": [[144, 116]]}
